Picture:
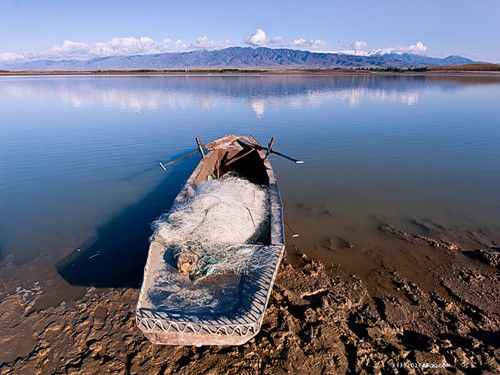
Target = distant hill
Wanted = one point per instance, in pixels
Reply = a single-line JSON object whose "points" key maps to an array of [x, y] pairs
{"points": [[241, 58]]}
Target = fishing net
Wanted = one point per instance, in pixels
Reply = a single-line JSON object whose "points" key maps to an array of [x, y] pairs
{"points": [[214, 292], [216, 227]]}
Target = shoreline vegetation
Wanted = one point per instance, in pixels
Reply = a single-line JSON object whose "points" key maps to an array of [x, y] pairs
{"points": [[444, 69]]}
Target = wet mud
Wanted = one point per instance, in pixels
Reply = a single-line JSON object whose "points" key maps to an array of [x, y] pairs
{"points": [[321, 320]]}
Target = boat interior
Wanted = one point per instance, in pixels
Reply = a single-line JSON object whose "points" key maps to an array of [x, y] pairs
{"points": [[234, 296], [245, 161]]}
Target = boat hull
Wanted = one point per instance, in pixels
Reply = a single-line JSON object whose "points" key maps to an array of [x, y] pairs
{"points": [[240, 324]]}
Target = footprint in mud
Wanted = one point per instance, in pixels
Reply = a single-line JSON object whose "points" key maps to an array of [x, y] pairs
{"points": [[317, 211], [335, 243]]}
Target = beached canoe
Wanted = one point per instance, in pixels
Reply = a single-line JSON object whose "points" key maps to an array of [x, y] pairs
{"points": [[241, 298]]}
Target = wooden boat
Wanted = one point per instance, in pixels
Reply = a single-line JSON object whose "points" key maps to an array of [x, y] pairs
{"points": [[236, 322]]}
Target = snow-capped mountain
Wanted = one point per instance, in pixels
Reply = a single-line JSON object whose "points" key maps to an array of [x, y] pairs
{"points": [[242, 58]]}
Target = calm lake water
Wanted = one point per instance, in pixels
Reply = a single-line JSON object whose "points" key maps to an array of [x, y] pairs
{"points": [[80, 182]]}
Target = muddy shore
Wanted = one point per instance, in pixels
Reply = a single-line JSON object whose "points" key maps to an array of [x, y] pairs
{"points": [[320, 319]]}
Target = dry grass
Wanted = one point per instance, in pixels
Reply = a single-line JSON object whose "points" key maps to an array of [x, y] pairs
{"points": [[467, 68]]}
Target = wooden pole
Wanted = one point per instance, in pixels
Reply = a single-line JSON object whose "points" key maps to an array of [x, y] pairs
{"points": [[198, 150], [271, 151], [166, 165], [270, 147], [287, 157], [200, 147]]}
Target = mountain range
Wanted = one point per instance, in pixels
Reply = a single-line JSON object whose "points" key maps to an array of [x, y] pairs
{"points": [[240, 58]]}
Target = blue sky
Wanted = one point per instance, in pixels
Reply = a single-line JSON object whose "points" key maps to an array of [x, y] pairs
{"points": [[39, 28]]}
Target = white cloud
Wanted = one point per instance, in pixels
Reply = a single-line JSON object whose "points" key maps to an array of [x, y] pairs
{"points": [[258, 39], [123, 46], [115, 47], [180, 44], [359, 45], [417, 48], [203, 42], [129, 46], [70, 48], [359, 48], [11, 56], [261, 39], [301, 42]]}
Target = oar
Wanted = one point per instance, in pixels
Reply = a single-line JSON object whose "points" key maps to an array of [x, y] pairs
{"points": [[170, 163], [199, 149], [287, 157], [270, 150]]}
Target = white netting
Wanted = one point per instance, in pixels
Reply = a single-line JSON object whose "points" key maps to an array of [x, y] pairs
{"points": [[210, 228]]}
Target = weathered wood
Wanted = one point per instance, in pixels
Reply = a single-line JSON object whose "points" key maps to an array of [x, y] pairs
{"points": [[296, 161], [170, 163], [270, 146], [238, 157], [174, 326], [200, 147], [271, 151]]}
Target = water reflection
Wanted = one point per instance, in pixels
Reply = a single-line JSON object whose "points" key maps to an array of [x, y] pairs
{"points": [[78, 162], [257, 93]]}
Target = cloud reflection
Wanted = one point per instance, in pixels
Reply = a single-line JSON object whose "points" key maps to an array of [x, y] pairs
{"points": [[258, 93]]}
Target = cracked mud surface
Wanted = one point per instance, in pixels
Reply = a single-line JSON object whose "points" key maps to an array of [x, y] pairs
{"points": [[320, 320]]}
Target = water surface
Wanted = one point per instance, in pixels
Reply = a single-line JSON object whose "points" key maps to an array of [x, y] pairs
{"points": [[79, 181]]}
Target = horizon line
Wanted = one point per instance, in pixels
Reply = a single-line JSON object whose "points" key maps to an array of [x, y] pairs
{"points": [[354, 53]]}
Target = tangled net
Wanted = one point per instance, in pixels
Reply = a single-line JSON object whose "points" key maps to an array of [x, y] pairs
{"points": [[216, 227]]}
